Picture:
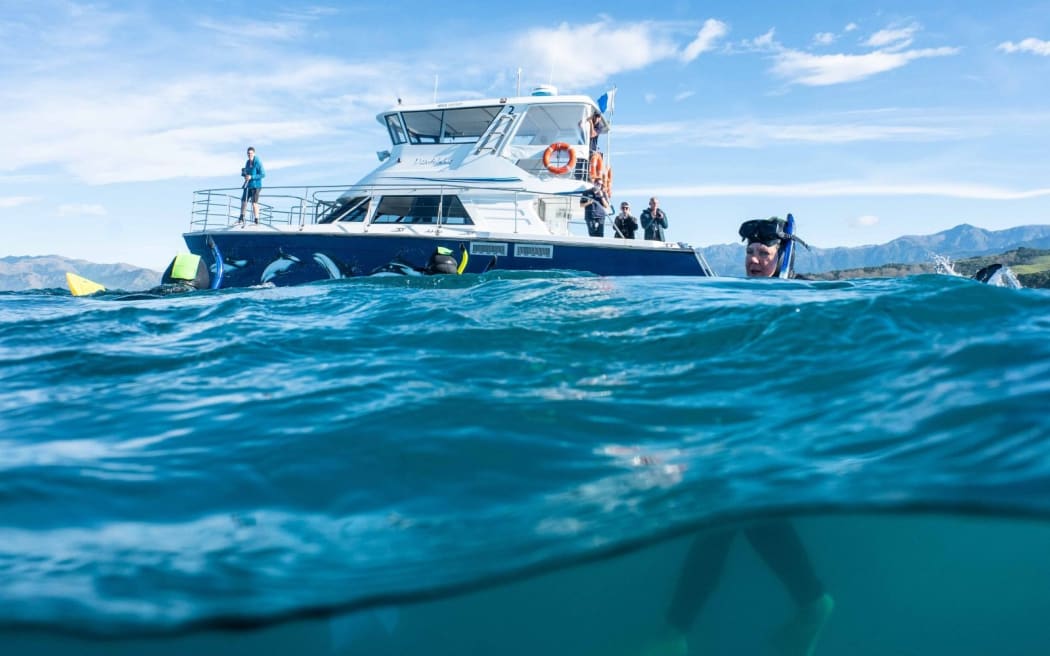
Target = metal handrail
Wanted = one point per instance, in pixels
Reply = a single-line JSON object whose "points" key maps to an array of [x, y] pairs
{"points": [[220, 208], [308, 205]]}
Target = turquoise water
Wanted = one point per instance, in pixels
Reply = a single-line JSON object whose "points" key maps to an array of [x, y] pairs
{"points": [[517, 464]]}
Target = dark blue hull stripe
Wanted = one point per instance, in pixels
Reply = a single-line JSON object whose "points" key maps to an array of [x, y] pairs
{"points": [[291, 259]]}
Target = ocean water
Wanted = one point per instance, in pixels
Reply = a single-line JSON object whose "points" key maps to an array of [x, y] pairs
{"points": [[518, 464]]}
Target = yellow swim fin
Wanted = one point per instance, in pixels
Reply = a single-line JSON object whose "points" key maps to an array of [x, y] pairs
{"points": [[79, 286], [464, 258]]}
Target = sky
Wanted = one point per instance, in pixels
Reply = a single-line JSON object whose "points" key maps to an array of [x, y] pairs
{"points": [[868, 121]]}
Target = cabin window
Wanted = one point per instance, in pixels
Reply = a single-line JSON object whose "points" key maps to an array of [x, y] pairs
{"points": [[397, 131], [422, 210], [344, 209], [547, 124], [449, 126], [423, 127]]}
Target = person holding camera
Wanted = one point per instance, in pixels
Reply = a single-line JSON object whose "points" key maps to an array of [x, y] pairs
{"points": [[654, 221], [253, 173], [596, 207]]}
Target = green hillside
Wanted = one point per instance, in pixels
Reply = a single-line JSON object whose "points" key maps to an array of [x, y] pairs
{"points": [[1031, 265]]}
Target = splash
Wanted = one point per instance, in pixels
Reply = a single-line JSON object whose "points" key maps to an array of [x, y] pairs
{"points": [[944, 264], [1004, 277], [996, 275]]}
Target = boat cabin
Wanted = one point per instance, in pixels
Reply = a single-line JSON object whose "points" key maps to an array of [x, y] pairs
{"points": [[543, 136]]}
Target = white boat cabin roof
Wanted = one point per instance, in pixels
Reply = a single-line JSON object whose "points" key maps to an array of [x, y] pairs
{"points": [[521, 120]]}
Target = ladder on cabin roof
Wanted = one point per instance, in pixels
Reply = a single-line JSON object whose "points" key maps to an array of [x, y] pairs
{"points": [[494, 139]]}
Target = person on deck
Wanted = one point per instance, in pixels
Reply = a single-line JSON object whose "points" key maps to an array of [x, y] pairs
{"points": [[253, 173], [775, 541], [625, 223], [654, 221], [596, 125], [596, 208]]}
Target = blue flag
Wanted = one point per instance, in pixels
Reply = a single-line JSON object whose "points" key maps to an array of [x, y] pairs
{"points": [[606, 101]]}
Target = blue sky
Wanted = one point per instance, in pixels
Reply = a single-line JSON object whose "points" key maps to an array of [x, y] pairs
{"points": [[868, 121]]}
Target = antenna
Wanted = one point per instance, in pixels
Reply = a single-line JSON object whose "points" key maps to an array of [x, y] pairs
{"points": [[435, 87], [517, 87]]}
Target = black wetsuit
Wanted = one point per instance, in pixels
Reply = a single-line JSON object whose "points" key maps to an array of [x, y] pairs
{"points": [[776, 542]]}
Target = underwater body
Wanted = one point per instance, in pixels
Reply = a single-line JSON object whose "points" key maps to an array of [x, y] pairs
{"points": [[518, 463]]}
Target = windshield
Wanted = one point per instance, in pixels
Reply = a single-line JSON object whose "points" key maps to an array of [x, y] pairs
{"points": [[449, 125], [546, 124]]}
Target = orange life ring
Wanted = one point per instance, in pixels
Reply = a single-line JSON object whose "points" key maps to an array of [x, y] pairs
{"points": [[608, 181], [553, 148], [597, 166]]}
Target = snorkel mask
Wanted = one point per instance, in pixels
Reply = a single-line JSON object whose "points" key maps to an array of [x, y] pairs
{"points": [[765, 231], [771, 232]]}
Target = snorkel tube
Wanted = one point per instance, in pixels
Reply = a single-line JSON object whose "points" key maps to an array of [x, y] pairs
{"points": [[786, 259], [216, 281]]}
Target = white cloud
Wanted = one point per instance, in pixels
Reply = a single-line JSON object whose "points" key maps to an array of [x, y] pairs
{"points": [[249, 30], [866, 221], [15, 201], [83, 26], [820, 70], [649, 98], [825, 189], [850, 27], [824, 38], [679, 97], [124, 120], [556, 54], [763, 42], [885, 125], [893, 39], [705, 40], [802, 67], [81, 209], [114, 106], [1030, 45], [750, 133], [101, 129]]}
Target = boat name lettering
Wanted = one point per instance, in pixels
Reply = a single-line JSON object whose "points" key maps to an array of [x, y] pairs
{"points": [[433, 161], [545, 251], [488, 249]]}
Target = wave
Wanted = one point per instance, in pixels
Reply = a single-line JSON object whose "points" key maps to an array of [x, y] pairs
{"points": [[239, 457]]}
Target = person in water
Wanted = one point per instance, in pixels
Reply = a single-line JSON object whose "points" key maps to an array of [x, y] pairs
{"points": [[766, 243], [775, 541]]}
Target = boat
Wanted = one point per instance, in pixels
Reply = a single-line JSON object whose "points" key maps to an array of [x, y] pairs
{"points": [[496, 183]]}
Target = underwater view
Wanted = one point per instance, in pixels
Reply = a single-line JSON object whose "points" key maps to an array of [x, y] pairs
{"points": [[528, 463]]}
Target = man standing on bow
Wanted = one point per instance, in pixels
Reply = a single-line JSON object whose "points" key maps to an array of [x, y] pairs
{"points": [[253, 173]]}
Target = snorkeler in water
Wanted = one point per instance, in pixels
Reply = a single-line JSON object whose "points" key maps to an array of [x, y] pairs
{"points": [[775, 541]]}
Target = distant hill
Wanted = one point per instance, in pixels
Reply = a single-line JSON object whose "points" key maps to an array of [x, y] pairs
{"points": [[49, 271], [960, 242], [1030, 265]]}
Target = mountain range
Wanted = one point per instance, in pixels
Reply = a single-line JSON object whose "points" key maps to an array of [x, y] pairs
{"points": [[48, 271], [18, 273], [959, 242]]}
